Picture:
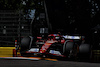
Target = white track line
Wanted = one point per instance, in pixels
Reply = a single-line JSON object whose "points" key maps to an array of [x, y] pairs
{"points": [[19, 58]]}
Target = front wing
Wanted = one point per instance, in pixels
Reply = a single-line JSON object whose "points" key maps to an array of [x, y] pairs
{"points": [[36, 52]]}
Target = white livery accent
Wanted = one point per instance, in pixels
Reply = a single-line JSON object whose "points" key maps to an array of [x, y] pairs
{"points": [[55, 52], [71, 37], [34, 50]]}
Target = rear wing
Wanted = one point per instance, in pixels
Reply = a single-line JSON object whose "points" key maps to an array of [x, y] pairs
{"points": [[73, 37]]}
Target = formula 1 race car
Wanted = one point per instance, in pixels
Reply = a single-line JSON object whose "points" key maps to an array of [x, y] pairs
{"points": [[51, 46], [55, 46]]}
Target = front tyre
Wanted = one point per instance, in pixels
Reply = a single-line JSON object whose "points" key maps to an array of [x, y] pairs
{"points": [[25, 45]]}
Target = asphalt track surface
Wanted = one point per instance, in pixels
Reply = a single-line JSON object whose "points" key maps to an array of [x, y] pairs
{"points": [[45, 63]]}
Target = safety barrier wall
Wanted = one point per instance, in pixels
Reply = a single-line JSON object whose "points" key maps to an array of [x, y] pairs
{"points": [[6, 51], [96, 55]]}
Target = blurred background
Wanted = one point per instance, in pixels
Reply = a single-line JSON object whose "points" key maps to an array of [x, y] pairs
{"points": [[26, 17]]}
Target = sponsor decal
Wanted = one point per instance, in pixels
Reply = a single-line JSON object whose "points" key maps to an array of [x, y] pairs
{"points": [[51, 41], [45, 47]]}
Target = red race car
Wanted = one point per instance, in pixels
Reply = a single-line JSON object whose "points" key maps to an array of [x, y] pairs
{"points": [[55, 45]]}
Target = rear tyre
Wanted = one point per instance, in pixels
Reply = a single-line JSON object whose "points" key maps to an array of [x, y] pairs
{"points": [[84, 48], [67, 49], [84, 52]]}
